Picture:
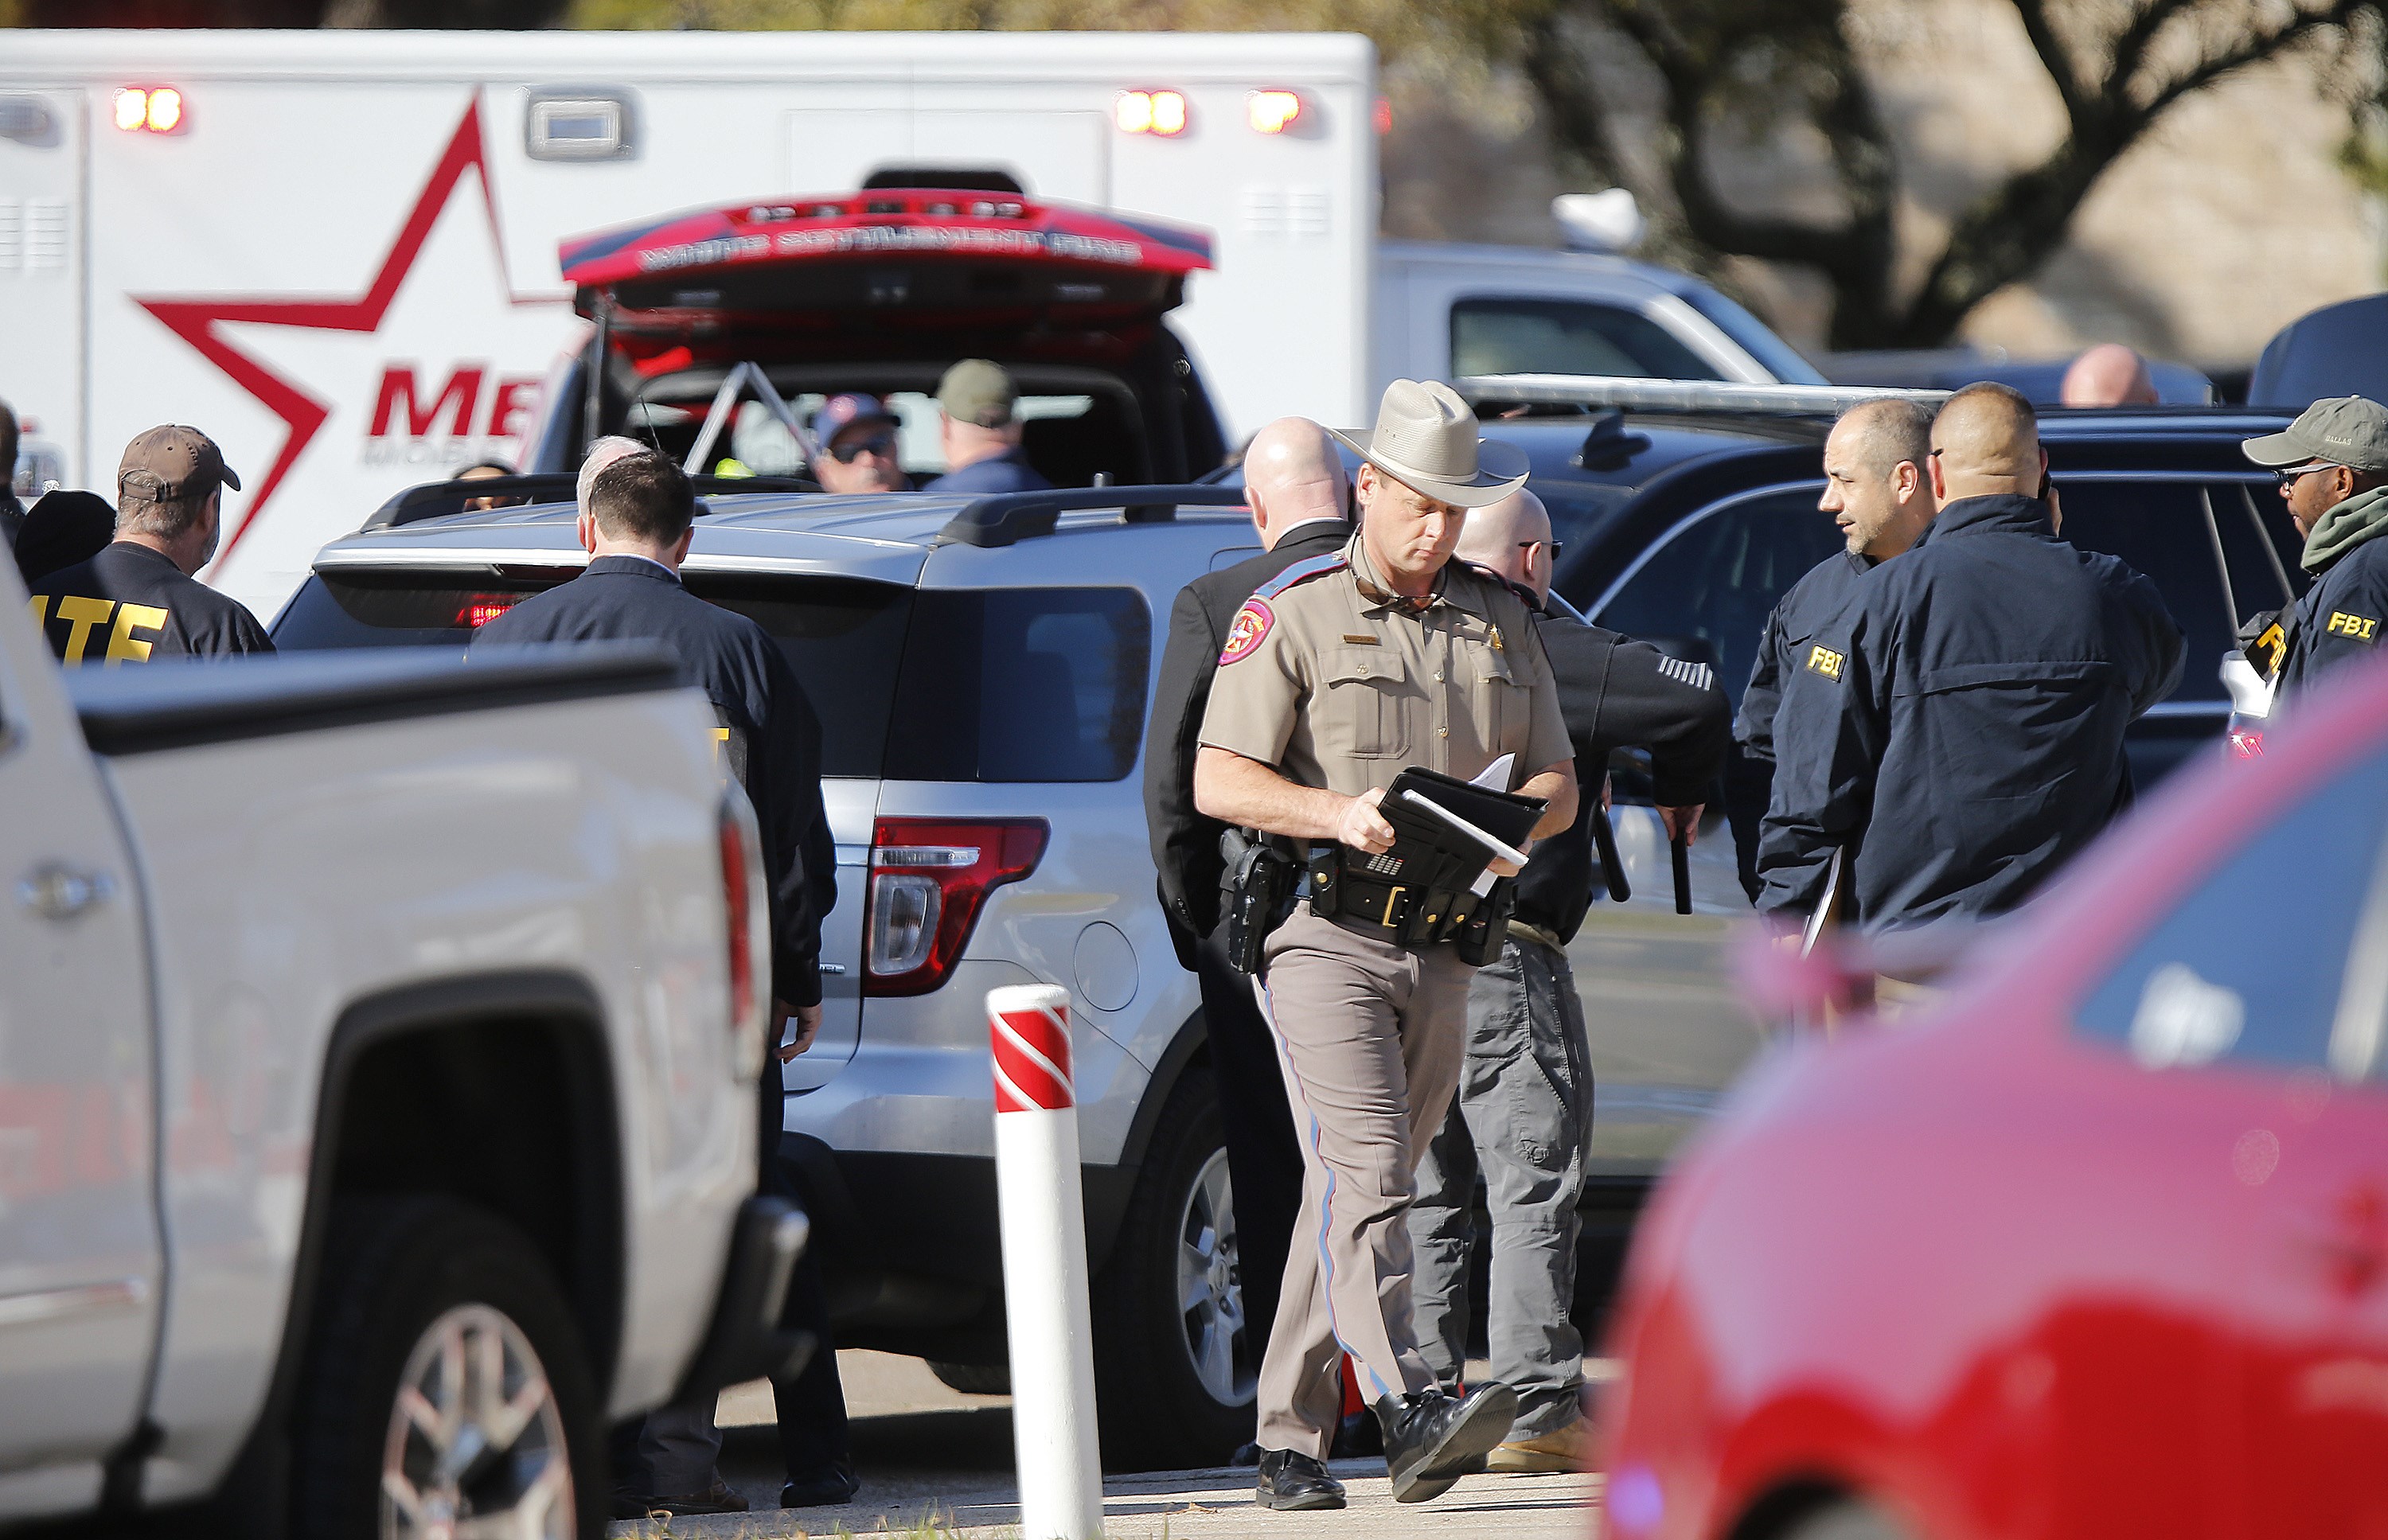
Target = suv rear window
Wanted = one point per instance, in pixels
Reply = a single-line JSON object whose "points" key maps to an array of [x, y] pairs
{"points": [[1005, 684]]}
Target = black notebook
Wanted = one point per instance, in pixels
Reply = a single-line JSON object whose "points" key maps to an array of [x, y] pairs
{"points": [[1430, 850]]}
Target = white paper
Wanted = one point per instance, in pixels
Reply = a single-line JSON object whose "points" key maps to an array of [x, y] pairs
{"points": [[1496, 775]]}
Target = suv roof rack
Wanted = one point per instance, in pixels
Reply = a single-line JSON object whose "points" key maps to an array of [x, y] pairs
{"points": [[1012, 517], [1597, 392], [435, 499]]}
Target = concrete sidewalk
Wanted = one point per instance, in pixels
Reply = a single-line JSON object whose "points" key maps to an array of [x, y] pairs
{"points": [[1175, 1504], [937, 1465]]}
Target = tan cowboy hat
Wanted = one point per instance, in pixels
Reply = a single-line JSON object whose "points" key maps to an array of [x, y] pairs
{"points": [[1426, 439]]}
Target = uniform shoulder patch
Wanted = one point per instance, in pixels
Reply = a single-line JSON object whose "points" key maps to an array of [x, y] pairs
{"points": [[1301, 572], [2355, 628], [1697, 675], [1824, 661], [1247, 630]]}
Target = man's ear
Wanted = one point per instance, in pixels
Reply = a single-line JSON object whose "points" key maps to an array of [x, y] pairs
{"points": [[1939, 479], [679, 547], [586, 527]]}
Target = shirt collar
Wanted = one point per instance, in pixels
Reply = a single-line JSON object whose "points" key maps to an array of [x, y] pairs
{"points": [[647, 565], [1312, 528], [1375, 595]]}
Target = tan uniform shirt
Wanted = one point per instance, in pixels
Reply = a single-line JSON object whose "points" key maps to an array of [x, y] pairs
{"points": [[1340, 684]]}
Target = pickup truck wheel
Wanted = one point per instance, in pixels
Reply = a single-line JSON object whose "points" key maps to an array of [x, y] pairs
{"points": [[1175, 1374], [446, 1392]]}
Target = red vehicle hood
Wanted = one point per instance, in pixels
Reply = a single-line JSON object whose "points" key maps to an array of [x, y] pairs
{"points": [[906, 259]]}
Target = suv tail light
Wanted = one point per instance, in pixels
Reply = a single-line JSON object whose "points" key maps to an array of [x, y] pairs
{"points": [[929, 878], [748, 923]]}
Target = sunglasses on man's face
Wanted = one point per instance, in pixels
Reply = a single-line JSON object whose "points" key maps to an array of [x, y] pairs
{"points": [[882, 446], [2287, 474]]}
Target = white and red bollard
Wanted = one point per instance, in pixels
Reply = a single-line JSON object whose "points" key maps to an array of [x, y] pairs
{"points": [[1044, 1295]]}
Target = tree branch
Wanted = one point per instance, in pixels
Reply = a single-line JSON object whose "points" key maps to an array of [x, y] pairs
{"points": [[2253, 50], [2055, 59]]}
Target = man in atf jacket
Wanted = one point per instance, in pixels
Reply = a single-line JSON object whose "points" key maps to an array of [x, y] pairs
{"points": [[1294, 482], [1879, 492], [1523, 1116], [1958, 728], [2332, 464]]}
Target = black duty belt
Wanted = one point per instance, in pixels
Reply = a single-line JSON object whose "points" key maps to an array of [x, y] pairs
{"points": [[1408, 915]]}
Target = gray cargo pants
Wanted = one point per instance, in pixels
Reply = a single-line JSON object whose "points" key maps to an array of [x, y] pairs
{"points": [[1369, 1036], [1523, 1118]]}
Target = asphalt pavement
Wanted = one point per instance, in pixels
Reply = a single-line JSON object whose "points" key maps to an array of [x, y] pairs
{"points": [[937, 1463]]}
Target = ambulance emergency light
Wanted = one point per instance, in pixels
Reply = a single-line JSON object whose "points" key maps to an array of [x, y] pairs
{"points": [[1272, 111], [149, 109], [1161, 113]]}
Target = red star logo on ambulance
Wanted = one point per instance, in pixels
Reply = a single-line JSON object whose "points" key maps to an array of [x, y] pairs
{"points": [[435, 363]]}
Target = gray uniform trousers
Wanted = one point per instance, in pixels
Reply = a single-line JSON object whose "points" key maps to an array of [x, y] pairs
{"points": [[1524, 1119], [1371, 1037]]}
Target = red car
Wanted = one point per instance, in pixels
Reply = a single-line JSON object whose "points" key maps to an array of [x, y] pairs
{"points": [[2099, 1249]]}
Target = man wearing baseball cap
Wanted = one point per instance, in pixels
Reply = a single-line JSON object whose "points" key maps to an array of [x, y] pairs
{"points": [[2333, 466], [980, 428], [137, 600], [856, 435]]}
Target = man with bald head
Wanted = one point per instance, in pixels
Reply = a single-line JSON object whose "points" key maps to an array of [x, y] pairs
{"points": [[1878, 489], [1957, 729], [1295, 486], [2108, 375], [1523, 1116]]}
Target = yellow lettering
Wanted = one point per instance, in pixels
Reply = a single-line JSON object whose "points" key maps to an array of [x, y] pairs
{"points": [[2360, 627], [720, 737], [122, 646], [1824, 661], [80, 615]]}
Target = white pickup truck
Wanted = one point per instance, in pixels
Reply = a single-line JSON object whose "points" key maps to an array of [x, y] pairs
{"points": [[378, 1044]]}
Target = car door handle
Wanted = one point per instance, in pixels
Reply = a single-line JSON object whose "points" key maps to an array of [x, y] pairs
{"points": [[60, 893]]}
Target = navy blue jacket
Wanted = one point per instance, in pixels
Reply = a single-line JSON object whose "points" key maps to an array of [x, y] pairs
{"points": [[771, 738], [1959, 724], [2340, 617], [1009, 472], [1798, 616]]}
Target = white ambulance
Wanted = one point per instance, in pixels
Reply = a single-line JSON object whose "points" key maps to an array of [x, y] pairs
{"points": [[337, 252]]}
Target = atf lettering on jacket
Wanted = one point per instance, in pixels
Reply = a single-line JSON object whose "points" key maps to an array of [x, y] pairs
{"points": [[2355, 627], [1824, 661], [90, 620]]}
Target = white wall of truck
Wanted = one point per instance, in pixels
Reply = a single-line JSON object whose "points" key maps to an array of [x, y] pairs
{"points": [[343, 263]]}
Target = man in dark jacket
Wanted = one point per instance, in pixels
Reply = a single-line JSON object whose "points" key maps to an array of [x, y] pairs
{"points": [[138, 597], [1294, 483], [1958, 729], [637, 513], [1879, 492], [1523, 1116], [978, 426], [2332, 463]]}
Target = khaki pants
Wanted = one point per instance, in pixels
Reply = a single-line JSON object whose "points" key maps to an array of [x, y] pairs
{"points": [[1371, 1037]]}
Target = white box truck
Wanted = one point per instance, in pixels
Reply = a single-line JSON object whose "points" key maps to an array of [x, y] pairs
{"points": [[337, 251]]}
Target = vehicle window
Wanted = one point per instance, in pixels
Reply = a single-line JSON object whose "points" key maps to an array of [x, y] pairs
{"points": [[1706, 592], [2249, 968], [842, 637], [1780, 359], [1566, 336], [2159, 528], [1012, 685]]}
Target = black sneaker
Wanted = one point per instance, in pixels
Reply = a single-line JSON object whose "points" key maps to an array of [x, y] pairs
{"points": [[720, 1499], [1295, 1484], [1434, 1438], [833, 1487]]}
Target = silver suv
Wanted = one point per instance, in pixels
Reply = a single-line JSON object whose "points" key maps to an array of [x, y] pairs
{"points": [[982, 670]]}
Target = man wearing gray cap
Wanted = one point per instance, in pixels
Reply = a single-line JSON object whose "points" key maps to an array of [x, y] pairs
{"points": [[2333, 465], [1337, 675], [137, 599], [980, 429]]}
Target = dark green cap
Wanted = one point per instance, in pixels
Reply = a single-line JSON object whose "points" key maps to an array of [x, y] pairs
{"points": [[2340, 430], [980, 391]]}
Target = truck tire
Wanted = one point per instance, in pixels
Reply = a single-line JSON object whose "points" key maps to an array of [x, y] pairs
{"points": [[1174, 1371], [441, 1335]]}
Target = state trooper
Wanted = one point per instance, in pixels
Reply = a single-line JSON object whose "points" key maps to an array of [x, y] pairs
{"points": [[637, 518], [1957, 730], [1879, 492], [1337, 675], [1524, 1112], [2333, 465], [137, 599]]}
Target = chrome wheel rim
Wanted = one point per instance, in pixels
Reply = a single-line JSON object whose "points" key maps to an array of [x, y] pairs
{"points": [[476, 1447], [1211, 1289]]}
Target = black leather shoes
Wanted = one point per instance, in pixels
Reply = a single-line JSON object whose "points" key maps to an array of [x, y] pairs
{"points": [[1433, 1439], [1296, 1483], [832, 1487]]}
